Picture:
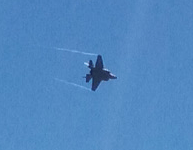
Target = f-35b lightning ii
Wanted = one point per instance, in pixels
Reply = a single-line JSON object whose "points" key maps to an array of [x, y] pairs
{"points": [[98, 73]]}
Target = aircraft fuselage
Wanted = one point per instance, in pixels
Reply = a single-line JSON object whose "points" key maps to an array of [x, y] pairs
{"points": [[103, 74], [98, 73]]}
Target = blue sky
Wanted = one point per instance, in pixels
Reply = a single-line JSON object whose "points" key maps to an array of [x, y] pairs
{"points": [[147, 44]]}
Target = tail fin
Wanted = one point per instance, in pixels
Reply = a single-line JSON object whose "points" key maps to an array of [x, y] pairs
{"points": [[88, 77], [91, 64]]}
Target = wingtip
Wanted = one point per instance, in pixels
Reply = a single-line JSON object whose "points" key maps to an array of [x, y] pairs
{"points": [[93, 89]]}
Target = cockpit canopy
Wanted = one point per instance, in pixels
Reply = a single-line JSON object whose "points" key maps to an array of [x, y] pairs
{"points": [[106, 70]]}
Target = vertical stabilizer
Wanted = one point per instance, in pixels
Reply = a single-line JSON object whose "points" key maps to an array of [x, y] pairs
{"points": [[91, 64]]}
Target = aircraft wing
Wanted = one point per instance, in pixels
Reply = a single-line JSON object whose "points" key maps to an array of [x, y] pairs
{"points": [[95, 83], [99, 62]]}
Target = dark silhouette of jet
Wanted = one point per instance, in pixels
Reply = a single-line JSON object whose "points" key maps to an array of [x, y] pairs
{"points": [[98, 73]]}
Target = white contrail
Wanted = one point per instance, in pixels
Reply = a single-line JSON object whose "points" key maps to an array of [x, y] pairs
{"points": [[74, 51], [70, 83]]}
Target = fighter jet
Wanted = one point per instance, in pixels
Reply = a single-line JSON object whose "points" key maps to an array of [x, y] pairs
{"points": [[98, 73]]}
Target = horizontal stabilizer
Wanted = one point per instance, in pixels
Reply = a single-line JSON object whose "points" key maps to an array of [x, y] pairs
{"points": [[88, 77]]}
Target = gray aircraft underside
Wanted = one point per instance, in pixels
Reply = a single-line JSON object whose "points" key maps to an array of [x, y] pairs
{"points": [[98, 73]]}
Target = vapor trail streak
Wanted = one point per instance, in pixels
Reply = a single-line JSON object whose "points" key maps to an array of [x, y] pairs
{"points": [[74, 84], [74, 51]]}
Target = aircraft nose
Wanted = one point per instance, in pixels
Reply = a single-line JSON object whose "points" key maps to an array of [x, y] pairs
{"points": [[114, 77]]}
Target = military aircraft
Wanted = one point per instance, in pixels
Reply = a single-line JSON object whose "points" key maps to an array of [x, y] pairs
{"points": [[98, 73]]}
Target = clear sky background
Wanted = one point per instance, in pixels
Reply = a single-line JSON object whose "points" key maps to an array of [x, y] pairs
{"points": [[148, 45]]}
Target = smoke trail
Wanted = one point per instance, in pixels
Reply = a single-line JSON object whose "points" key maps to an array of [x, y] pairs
{"points": [[74, 51], [70, 83]]}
